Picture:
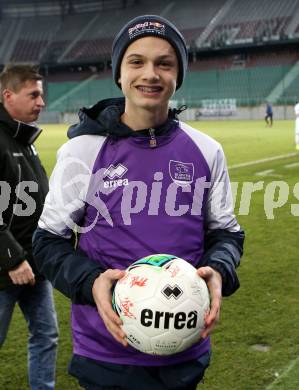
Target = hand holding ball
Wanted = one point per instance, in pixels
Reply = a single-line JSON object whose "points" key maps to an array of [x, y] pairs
{"points": [[162, 302]]}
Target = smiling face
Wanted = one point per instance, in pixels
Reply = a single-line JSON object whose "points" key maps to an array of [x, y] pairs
{"points": [[26, 103], [148, 76]]}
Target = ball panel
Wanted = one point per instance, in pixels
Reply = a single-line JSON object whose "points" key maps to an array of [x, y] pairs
{"points": [[137, 339], [166, 344], [139, 283], [157, 260]]}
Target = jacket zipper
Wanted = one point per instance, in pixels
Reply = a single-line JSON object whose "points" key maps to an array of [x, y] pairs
{"points": [[153, 139], [17, 197]]}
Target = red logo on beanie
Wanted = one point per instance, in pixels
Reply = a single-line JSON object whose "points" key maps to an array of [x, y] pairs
{"points": [[146, 27]]}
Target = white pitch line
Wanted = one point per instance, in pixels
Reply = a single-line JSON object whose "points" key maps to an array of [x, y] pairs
{"points": [[284, 373], [291, 165], [268, 172], [264, 173], [255, 162]]}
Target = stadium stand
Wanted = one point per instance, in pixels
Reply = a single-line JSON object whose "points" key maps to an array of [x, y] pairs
{"points": [[244, 24], [237, 50], [32, 41], [275, 58], [67, 32], [292, 89]]}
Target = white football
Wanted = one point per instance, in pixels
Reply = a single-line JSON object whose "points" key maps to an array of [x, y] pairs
{"points": [[162, 303]]}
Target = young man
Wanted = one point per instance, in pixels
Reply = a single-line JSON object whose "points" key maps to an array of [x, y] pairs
{"points": [[24, 186], [269, 115], [133, 181], [296, 110]]}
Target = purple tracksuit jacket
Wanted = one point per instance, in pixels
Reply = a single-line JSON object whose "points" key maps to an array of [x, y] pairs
{"points": [[128, 195]]}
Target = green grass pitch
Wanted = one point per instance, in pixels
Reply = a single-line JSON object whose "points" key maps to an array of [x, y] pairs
{"points": [[256, 343]]}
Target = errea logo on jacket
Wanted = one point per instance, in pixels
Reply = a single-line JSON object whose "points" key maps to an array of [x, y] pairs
{"points": [[115, 174]]}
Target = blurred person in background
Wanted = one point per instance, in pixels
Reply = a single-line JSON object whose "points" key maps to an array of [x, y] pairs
{"points": [[24, 186], [269, 115]]}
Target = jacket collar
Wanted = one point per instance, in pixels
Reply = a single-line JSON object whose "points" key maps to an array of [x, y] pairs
{"points": [[22, 132], [104, 119]]}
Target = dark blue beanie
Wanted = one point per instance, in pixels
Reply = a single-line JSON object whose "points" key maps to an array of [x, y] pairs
{"points": [[149, 25]]}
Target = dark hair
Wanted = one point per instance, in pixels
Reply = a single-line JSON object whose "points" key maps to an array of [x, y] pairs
{"points": [[14, 76]]}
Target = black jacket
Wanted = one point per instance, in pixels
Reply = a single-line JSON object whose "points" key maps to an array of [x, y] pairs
{"points": [[24, 185]]}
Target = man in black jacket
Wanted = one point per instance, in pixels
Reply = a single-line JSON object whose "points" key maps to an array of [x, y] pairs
{"points": [[24, 186]]}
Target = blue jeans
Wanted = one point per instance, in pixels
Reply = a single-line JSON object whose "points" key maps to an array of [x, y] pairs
{"points": [[37, 306]]}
